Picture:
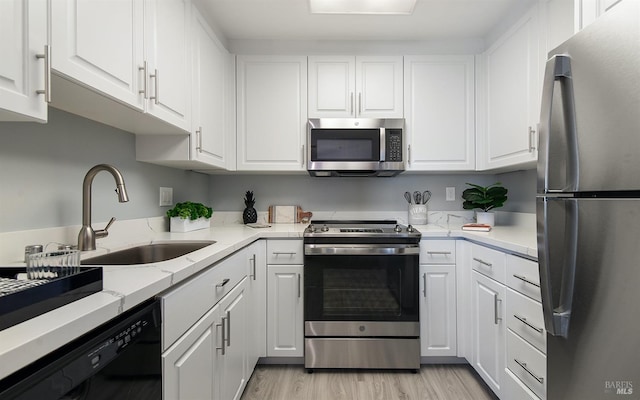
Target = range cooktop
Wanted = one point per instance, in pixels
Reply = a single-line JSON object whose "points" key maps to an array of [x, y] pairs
{"points": [[360, 228]]}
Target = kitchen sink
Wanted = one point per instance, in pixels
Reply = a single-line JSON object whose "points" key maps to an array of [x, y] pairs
{"points": [[148, 253]]}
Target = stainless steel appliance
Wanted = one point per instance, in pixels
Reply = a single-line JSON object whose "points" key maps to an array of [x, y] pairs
{"points": [[118, 360], [355, 147], [361, 306], [588, 208]]}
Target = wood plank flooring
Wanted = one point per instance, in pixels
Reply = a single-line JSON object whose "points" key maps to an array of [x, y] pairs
{"points": [[433, 382]]}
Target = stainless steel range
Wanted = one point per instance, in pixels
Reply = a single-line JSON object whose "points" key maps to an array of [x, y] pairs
{"points": [[361, 295]]}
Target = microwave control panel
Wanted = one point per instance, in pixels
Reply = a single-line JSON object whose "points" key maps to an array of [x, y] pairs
{"points": [[393, 145]]}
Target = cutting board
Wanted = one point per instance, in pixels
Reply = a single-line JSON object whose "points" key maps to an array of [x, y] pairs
{"points": [[288, 215]]}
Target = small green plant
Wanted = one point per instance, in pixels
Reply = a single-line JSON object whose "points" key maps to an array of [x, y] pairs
{"points": [[190, 210], [484, 198]]}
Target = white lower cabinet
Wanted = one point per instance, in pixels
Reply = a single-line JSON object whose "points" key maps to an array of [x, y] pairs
{"points": [[438, 310], [285, 335], [489, 330], [255, 255]]}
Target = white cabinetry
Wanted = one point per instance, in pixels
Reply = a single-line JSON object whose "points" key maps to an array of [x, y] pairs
{"points": [[587, 11], [285, 335], [257, 340], [439, 113], [509, 97], [211, 143], [234, 309], [23, 35], [489, 330], [360, 87], [271, 113], [438, 302]]}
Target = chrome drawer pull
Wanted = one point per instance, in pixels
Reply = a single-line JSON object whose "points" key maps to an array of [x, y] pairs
{"points": [[224, 282], [283, 253], [524, 366], [483, 262], [525, 280], [527, 323], [440, 253]]}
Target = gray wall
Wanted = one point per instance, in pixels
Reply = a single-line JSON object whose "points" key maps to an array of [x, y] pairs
{"points": [[42, 167], [522, 190]]}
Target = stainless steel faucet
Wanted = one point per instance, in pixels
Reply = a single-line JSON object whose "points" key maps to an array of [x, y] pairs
{"points": [[87, 236]]}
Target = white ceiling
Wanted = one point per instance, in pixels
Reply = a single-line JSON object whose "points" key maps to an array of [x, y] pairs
{"points": [[291, 20]]}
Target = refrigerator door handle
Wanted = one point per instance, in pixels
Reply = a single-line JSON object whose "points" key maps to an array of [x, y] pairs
{"points": [[557, 264], [564, 145]]}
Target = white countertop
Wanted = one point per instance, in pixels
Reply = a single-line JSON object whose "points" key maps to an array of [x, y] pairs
{"points": [[127, 286]]}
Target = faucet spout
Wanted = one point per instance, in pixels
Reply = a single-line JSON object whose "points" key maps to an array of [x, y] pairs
{"points": [[87, 236]]}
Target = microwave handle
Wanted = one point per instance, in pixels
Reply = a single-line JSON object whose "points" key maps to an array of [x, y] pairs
{"points": [[383, 145]]}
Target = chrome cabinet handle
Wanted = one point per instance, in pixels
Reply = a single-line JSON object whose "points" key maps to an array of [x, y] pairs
{"points": [[144, 91], [47, 73], [409, 154], [527, 323], [222, 324], [252, 260], [532, 143], [351, 103], [424, 281], [525, 280], [360, 103], [496, 319], [483, 262], [224, 282], [299, 289], [441, 253], [199, 139], [524, 366], [156, 95], [228, 328], [303, 157]]}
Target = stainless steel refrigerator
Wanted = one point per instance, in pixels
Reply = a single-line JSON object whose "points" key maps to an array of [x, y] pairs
{"points": [[588, 210]]}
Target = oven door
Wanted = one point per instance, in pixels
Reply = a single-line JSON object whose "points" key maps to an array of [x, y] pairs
{"points": [[365, 283]]}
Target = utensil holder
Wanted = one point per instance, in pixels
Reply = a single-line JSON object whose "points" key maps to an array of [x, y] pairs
{"points": [[51, 265], [417, 214]]}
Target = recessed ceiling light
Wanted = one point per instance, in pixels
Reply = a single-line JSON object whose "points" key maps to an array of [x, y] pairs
{"points": [[362, 6]]}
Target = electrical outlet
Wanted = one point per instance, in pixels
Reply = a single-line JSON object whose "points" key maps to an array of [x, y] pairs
{"points": [[451, 194], [166, 196]]}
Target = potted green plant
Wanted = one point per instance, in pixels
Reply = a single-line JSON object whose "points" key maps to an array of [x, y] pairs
{"points": [[189, 216], [484, 198]]}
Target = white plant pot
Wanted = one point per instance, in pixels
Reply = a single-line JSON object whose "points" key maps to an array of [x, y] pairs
{"points": [[178, 224], [487, 218]]}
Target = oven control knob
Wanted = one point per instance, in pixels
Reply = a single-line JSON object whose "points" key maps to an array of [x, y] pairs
{"points": [[325, 228], [410, 228], [397, 229], [312, 228]]}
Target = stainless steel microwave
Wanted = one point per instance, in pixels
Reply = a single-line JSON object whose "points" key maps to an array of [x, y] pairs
{"points": [[355, 147]]}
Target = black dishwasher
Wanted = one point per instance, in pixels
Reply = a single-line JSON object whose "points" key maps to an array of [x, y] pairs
{"points": [[120, 359]]}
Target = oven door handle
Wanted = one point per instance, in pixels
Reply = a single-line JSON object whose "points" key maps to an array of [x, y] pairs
{"points": [[361, 250]]}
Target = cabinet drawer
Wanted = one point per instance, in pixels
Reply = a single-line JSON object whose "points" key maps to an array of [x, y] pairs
{"points": [[285, 252], [523, 276], [185, 305], [437, 251], [526, 319], [514, 389], [527, 363], [489, 262]]}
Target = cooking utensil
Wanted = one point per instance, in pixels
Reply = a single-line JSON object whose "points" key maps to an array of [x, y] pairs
{"points": [[407, 197], [426, 196], [417, 196]]}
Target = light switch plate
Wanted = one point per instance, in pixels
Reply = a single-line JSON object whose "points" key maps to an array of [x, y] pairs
{"points": [[166, 196], [451, 194]]}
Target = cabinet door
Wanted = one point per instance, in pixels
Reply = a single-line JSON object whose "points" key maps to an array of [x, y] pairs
{"points": [[257, 339], [379, 87], [211, 75], [234, 308], [489, 330], [100, 45], [438, 310], [190, 366], [332, 84], [167, 51], [23, 35], [271, 112], [508, 134], [285, 335], [439, 112]]}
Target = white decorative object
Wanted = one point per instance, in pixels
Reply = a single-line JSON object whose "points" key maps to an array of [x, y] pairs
{"points": [[486, 218], [187, 225], [417, 214]]}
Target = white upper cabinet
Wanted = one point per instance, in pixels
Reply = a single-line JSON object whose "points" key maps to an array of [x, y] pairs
{"points": [[271, 113], [509, 97], [167, 44], [360, 87], [439, 113], [23, 36], [588, 11], [99, 44]]}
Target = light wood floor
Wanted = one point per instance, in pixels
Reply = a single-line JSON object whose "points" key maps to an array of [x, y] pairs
{"points": [[291, 382]]}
